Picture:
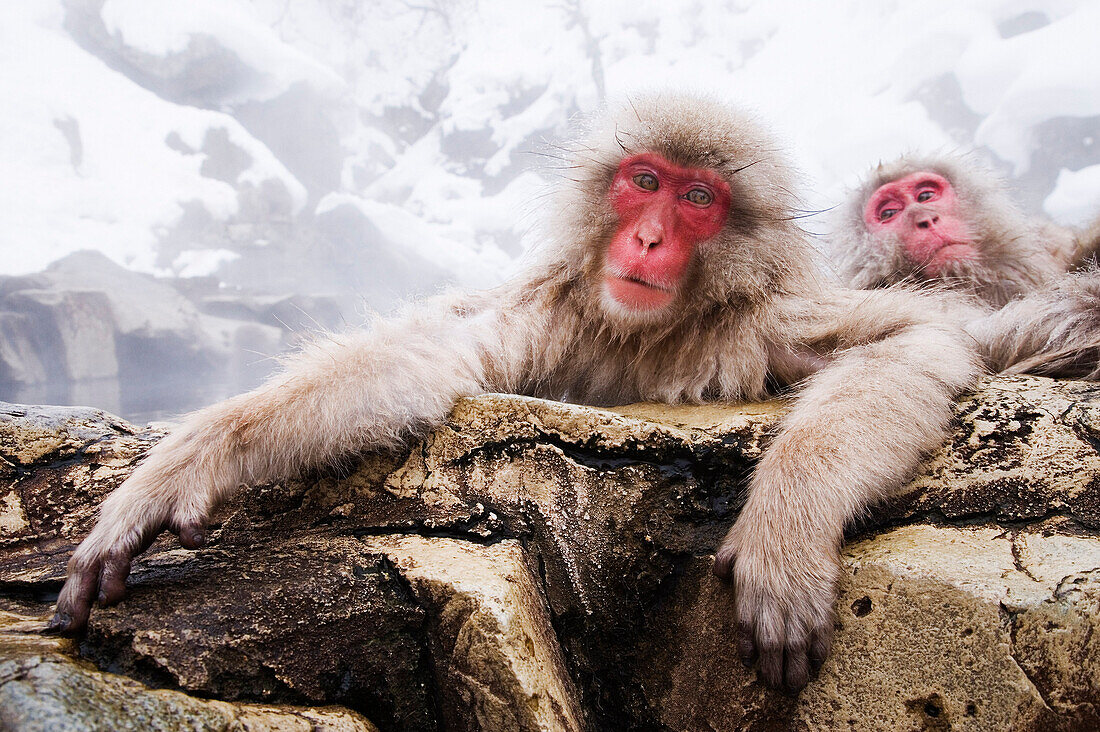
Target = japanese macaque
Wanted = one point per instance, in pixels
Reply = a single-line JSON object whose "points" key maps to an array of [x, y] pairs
{"points": [[946, 221], [672, 271]]}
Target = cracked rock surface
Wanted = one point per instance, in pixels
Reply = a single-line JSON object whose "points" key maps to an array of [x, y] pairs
{"points": [[532, 565]]}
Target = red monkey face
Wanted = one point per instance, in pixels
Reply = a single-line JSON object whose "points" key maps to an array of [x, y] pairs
{"points": [[664, 211], [922, 211]]}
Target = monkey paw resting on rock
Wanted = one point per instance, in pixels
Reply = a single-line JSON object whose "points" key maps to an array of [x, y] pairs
{"points": [[672, 271], [946, 221]]}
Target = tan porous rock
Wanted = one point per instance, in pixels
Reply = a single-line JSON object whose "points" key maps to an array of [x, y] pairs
{"points": [[498, 663], [538, 565]]}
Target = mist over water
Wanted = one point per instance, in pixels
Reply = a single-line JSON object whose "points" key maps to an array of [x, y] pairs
{"points": [[252, 171], [157, 398]]}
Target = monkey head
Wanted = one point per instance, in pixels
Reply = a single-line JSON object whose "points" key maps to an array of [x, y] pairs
{"points": [[679, 204], [943, 218], [664, 210], [921, 211]]}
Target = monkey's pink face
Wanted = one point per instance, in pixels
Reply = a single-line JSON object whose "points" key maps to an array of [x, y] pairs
{"points": [[664, 210], [922, 211]]}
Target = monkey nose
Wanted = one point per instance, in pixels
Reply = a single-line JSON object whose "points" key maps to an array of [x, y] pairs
{"points": [[926, 222]]}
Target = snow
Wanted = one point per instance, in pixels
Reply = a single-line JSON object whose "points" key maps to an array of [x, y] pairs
{"points": [[423, 117], [111, 182], [201, 262], [1076, 197], [165, 27]]}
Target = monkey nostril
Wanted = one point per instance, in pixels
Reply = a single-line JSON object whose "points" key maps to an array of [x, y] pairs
{"points": [[923, 224]]}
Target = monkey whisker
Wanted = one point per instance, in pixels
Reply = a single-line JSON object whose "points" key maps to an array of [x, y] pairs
{"points": [[735, 171]]}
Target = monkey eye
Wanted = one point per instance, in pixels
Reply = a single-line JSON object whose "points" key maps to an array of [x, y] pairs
{"points": [[887, 213], [699, 197], [925, 195], [646, 181]]}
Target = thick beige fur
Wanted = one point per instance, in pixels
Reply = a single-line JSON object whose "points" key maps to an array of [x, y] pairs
{"points": [[875, 373], [1017, 254], [1031, 310]]}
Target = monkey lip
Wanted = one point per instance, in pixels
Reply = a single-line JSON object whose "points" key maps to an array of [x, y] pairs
{"points": [[637, 294], [934, 245]]}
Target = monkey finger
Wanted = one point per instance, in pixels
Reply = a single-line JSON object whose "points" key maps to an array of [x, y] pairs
{"points": [[74, 604], [797, 668], [771, 664], [820, 645], [769, 635], [192, 535], [723, 563], [746, 647], [112, 579]]}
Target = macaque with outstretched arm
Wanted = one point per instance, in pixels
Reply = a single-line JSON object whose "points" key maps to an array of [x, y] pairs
{"points": [[673, 271], [947, 222]]}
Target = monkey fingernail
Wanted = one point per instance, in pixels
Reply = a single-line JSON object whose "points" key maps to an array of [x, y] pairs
{"points": [[59, 623], [192, 538], [746, 649]]}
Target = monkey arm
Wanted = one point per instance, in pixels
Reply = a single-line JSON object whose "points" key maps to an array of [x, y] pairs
{"points": [[1053, 332], [339, 395], [1088, 246], [858, 429]]}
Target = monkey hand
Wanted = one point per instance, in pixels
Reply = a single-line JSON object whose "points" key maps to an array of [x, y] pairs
{"points": [[784, 587], [130, 520]]}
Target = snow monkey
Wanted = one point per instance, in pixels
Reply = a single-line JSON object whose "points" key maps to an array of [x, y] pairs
{"points": [[672, 271], [946, 220]]}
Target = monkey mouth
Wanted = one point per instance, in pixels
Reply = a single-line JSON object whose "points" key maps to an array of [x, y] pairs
{"points": [[647, 283], [637, 294], [939, 248], [944, 252]]}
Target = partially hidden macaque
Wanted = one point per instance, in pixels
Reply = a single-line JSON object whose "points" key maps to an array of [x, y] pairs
{"points": [[672, 271], [948, 222], [947, 219]]}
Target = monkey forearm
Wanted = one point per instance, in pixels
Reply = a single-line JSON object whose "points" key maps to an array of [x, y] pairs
{"points": [[1055, 331], [861, 425], [1088, 246], [859, 428], [341, 394]]}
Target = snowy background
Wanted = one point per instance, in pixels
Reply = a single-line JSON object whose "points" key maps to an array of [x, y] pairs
{"points": [[281, 165]]}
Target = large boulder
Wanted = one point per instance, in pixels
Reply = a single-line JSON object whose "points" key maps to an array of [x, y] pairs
{"points": [[534, 565], [85, 317]]}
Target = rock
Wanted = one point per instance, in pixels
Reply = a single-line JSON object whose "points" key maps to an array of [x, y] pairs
{"points": [[85, 317], [73, 334], [492, 633], [42, 687], [538, 565], [157, 328], [20, 361]]}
